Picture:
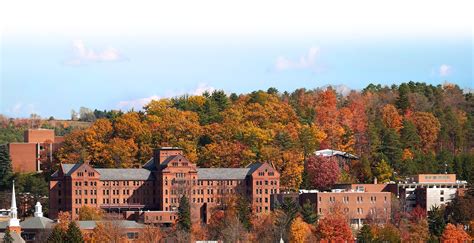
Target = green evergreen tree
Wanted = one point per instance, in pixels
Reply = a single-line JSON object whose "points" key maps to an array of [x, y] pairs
{"points": [[391, 147], [74, 234], [5, 168], [7, 238], [308, 213], [57, 236], [436, 222], [184, 215], [365, 234], [402, 101], [409, 136], [244, 212]]}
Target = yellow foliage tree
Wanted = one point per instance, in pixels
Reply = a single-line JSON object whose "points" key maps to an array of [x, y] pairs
{"points": [[299, 231]]}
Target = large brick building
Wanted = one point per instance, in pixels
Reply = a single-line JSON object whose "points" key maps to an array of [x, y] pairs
{"points": [[37, 142], [154, 191]]}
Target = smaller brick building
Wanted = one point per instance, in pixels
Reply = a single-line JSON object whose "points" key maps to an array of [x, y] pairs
{"points": [[26, 157]]}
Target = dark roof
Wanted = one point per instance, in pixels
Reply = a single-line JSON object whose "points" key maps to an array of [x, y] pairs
{"points": [[222, 173], [150, 164], [68, 169], [37, 223], [90, 224], [125, 174]]}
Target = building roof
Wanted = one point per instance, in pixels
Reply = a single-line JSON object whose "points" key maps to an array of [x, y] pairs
{"points": [[222, 173], [128, 224], [37, 223], [68, 169], [16, 237], [125, 174], [332, 152]]}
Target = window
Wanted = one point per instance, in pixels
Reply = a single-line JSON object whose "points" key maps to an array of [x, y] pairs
{"points": [[132, 235], [441, 192], [441, 199]]}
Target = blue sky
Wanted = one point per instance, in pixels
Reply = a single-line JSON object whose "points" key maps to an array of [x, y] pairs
{"points": [[54, 69]]}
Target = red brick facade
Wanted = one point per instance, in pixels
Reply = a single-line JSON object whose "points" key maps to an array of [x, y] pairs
{"points": [[26, 156], [159, 186]]}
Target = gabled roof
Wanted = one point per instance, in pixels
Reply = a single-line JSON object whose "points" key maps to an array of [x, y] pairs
{"points": [[331, 152], [37, 223], [67, 169], [150, 164], [128, 224]]}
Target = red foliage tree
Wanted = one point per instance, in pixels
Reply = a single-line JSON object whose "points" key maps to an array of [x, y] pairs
{"points": [[323, 172], [334, 228]]}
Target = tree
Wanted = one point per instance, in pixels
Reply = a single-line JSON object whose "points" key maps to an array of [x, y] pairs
{"points": [[244, 211], [184, 215], [74, 234], [460, 209], [391, 118], [151, 234], [454, 233], [402, 101], [5, 168], [57, 235], [387, 233], [428, 127], [308, 212], [7, 238], [383, 171], [90, 213], [334, 228], [409, 136], [365, 234], [436, 222], [323, 171], [299, 231]]}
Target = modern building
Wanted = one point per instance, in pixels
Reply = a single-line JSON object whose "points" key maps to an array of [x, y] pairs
{"points": [[38, 144], [344, 159], [152, 193], [359, 202], [427, 190]]}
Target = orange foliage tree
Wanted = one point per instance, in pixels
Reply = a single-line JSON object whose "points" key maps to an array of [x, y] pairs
{"points": [[334, 227], [454, 234], [428, 128], [299, 231], [391, 118]]}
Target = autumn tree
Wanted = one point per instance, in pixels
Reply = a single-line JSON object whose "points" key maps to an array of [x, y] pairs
{"points": [[299, 231], [391, 118], [334, 228], [427, 127], [327, 118], [454, 233], [383, 171], [151, 234], [323, 171], [90, 213]]}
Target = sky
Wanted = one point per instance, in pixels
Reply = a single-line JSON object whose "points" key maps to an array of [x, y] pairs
{"points": [[56, 56]]}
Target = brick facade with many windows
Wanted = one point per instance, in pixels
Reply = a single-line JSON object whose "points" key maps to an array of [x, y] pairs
{"points": [[159, 185]]}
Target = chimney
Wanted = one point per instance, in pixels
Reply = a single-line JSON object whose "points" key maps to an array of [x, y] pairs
{"points": [[375, 180], [161, 154]]}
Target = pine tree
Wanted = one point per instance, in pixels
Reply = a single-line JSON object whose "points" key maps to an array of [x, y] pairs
{"points": [[308, 213], [5, 167], [365, 234], [244, 211], [436, 222], [409, 136], [184, 215], [402, 102], [391, 147], [7, 238], [74, 234], [57, 236]]}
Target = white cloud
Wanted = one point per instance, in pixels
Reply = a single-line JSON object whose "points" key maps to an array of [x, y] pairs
{"points": [[83, 54], [445, 70], [307, 61], [139, 103], [20, 109]]}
